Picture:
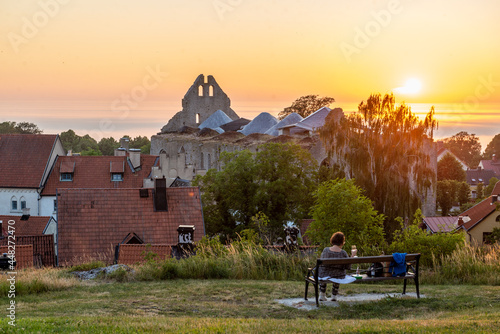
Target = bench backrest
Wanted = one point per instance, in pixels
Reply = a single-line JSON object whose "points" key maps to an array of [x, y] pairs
{"points": [[366, 259]]}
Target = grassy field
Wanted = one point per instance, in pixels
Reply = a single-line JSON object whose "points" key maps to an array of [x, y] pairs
{"points": [[248, 306]]}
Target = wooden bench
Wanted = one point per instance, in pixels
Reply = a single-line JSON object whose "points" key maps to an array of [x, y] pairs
{"points": [[411, 271]]}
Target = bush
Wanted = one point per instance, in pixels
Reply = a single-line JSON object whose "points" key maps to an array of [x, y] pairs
{"points": [[413, 239], [88, 266]]}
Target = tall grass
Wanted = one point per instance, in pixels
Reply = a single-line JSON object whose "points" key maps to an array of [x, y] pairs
{"points": [[467, 264], [33, 281], [239, 260]]}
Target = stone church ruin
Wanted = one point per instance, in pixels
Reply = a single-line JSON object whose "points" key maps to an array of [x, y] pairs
{"points": [[192, 141], [202, 99]]}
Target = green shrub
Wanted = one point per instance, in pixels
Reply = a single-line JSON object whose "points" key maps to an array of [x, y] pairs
{"points": [[412, 239], [88, 266], [119, 275]]}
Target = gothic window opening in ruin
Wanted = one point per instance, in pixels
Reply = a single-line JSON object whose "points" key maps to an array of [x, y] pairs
{"points": [[198, 118], [202, 161], [211, 90], [209, 161], [200, 90]]}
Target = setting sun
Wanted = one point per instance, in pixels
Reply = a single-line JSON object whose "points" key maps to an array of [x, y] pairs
{"points": [[412, 86]]}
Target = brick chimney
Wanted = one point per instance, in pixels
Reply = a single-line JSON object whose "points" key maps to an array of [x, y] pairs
{"points": [[494, 158]]}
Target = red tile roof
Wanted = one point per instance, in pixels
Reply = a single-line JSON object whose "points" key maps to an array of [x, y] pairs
{"points": [[91, 222], [477, 213], [441, 224], [95, 172], [23, 159], [34, 225], [43, 248], [24, 255], [492, 165]]}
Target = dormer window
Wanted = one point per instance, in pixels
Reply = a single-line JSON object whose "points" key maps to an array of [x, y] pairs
{"points": [[67, 170], [117, 169], [66, 176]]}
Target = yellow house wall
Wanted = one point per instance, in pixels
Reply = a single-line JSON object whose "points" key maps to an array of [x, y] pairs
{"points": [[487, 225]]}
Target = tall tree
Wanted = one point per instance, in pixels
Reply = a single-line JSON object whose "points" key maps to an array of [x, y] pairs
{"points": [[493, 147], [277, 181], [445, 196], [491, 185], [19, 128], [449, 168], [107, 146], [385, 148], [341, 206], [84, 144], [466, 147], [306, 105]]}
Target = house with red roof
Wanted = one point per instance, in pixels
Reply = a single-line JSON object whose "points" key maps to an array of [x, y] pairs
{"points": [[25, 163], [480, 220], [75, 172], [93, 222], [441, 151], [440, 224], [493, 164]]}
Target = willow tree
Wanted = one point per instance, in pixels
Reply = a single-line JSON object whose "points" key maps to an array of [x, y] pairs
{"points": [[385, 148]]}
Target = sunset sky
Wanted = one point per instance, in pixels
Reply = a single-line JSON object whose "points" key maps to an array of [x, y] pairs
{"points": [[69, 64]]}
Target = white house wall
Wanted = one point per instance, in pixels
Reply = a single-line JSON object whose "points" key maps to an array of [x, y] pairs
{"points": [[29, 195]]}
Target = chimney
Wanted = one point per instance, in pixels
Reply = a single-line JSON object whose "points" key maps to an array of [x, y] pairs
{"points": [[120, 152], [26, 214], [460, 221], [160, 195], [124, 142], [135, 157], [494, 158]]}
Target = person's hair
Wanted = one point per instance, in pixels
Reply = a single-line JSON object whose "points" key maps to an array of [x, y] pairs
{"points": [[337, 239]]}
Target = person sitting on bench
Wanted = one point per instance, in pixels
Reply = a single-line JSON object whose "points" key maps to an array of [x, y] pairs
{"points": [[333, 271]]}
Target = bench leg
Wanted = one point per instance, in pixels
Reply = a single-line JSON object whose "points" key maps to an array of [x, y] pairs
{"points": [[307, 288], [404, 287], [317, 294], [416, 285]]}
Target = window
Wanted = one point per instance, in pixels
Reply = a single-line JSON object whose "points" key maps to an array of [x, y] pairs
{"points": [[55, 205], [23, 203], [116, 177], [202, 161], [13, 204], [211, 90], [197, 118], [200, 90], [66, 176], [498, 218], [209, 161]]}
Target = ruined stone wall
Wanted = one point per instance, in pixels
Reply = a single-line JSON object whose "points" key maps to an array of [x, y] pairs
{"points": [[201, 100]]}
